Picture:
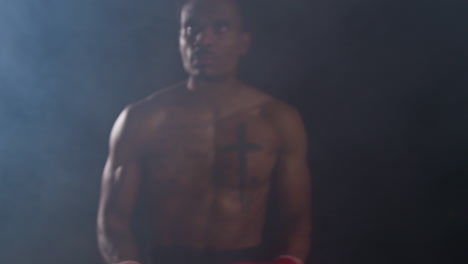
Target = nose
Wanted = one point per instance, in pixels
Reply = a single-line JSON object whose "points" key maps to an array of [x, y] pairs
{"points": [[204, 38]]}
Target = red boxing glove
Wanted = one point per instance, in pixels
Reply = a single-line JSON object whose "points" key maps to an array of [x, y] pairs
{"points": [[287, 259], [283, 259], [251, 263]]}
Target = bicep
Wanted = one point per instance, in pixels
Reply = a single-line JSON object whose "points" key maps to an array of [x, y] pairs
{"points": [[293, 170], [120, 184], [293, 185], [121, 175]]}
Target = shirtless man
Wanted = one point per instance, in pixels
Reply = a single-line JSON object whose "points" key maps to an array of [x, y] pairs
{"points": [[206, 153]]}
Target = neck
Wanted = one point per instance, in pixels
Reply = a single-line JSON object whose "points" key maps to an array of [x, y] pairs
{"points": [[211, 88]]}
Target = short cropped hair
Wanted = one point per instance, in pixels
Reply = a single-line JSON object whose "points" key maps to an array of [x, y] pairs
{"points": [[244, 8]]}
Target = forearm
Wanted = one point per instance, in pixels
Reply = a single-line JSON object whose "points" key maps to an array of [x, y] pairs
{"points": [[297, 238], [118, 244]]}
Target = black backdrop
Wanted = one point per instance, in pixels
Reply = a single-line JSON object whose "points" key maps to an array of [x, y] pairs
{"points": [[381, 86]]}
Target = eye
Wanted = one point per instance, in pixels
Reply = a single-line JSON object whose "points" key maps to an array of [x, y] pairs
{"points": [[221, 27], [188, 30], [191, 29]]}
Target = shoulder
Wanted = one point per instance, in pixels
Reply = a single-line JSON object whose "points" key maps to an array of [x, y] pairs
{"points": [[279, 112], [165, 96], [253, 98], [145, 114], [155, 104], [255, 94], [285, 118], [288, 123], [159, 100], [286, 114]]}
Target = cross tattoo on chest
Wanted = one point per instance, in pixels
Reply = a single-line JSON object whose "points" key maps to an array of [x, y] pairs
{"points": [[243, 147]]}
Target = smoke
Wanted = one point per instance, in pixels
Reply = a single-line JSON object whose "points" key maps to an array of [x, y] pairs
{"points": [[381, 85], [66, 69]]}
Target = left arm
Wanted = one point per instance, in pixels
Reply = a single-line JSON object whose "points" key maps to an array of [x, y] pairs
{"points": [[293, 185]]}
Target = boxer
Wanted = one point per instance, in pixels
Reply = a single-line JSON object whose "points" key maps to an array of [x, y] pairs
{"points": [[206, 153]]}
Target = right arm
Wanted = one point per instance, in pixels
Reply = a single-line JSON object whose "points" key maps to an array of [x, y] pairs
{"points": [[119, 189]]}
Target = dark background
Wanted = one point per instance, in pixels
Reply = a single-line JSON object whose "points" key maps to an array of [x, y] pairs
{"points": [[382, 86]]}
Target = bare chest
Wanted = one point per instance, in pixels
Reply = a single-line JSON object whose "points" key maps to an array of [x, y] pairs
{"points": [[196, 150]]}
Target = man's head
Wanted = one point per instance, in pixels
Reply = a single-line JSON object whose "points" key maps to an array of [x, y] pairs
{"points": [[212, 38]]}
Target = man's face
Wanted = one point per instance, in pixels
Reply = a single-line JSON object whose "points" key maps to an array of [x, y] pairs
{"points": [[211, 38]]}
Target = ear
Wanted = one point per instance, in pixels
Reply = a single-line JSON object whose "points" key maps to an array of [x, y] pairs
{"points": [[246, 41]]}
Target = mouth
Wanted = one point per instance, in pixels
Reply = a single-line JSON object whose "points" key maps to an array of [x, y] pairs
{"points": [[203, 58]]}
